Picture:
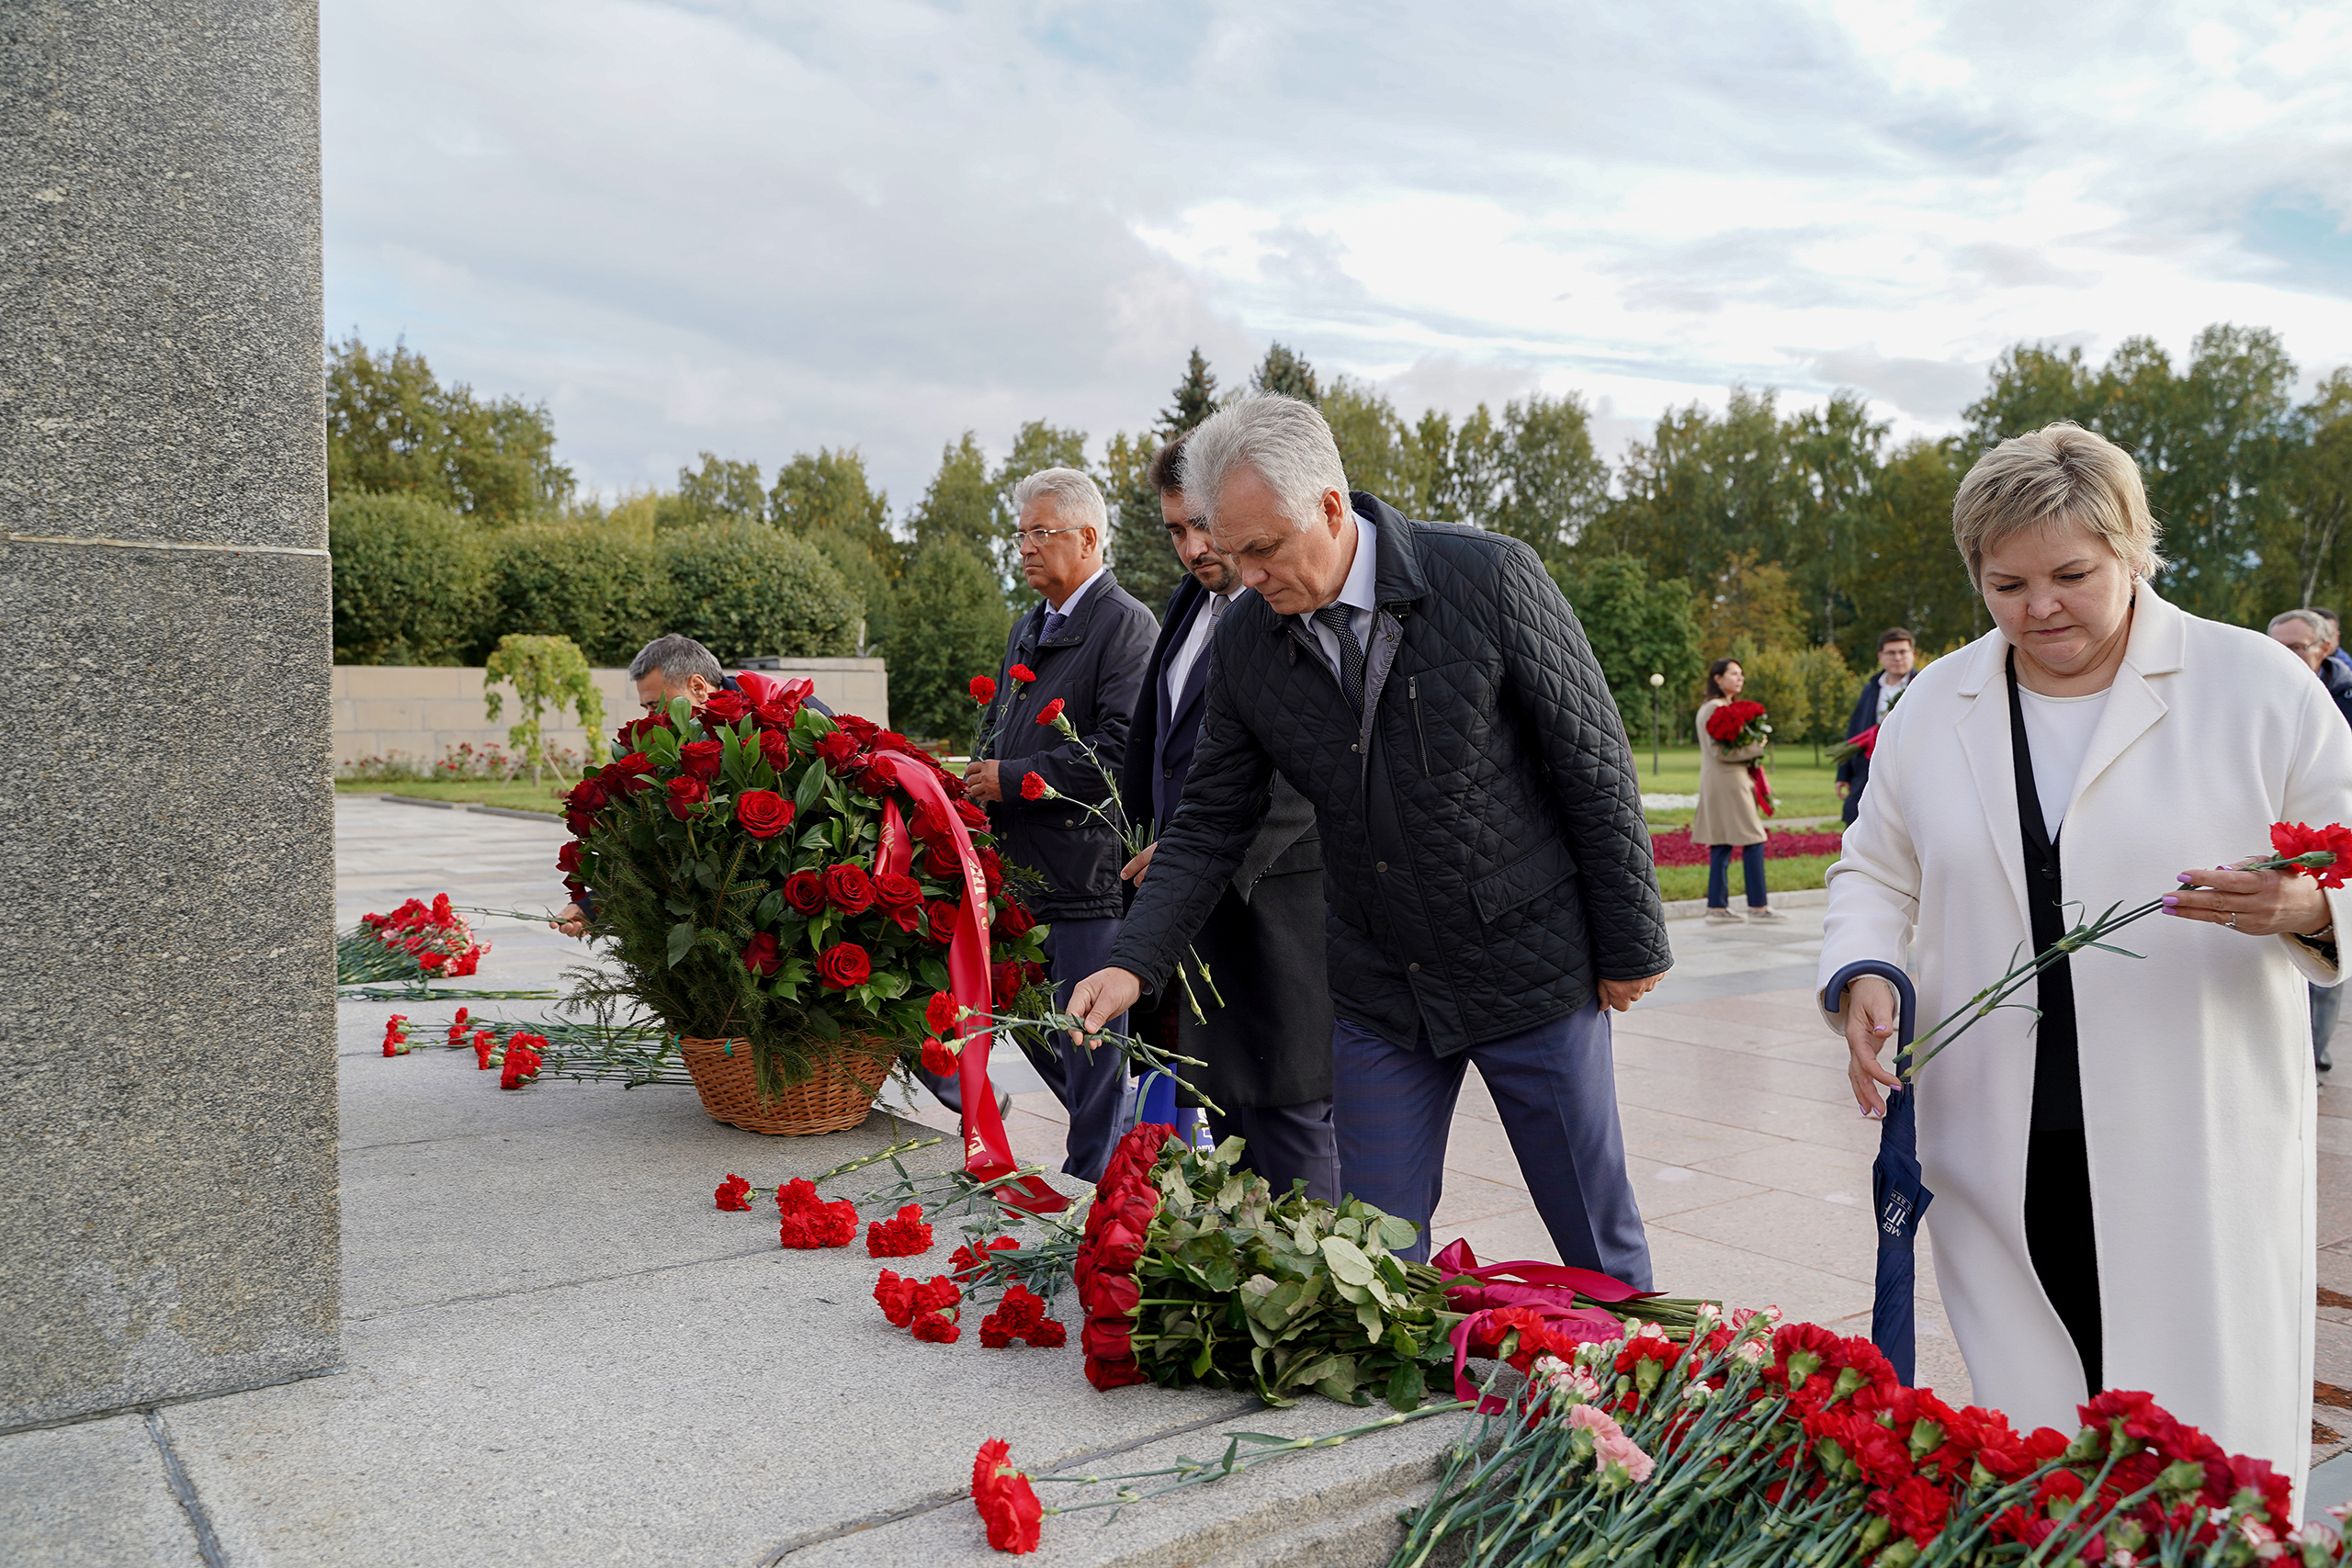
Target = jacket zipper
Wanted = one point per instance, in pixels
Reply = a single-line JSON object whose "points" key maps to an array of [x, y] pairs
{"points": [[1413, 696]]}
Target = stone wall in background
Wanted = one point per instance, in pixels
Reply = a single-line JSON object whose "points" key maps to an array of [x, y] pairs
{"points": [[168, 1055], [420, 712]]}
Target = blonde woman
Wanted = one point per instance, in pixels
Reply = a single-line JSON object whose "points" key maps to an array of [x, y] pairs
{"points": [[1727, 819], [2124, 1180]]}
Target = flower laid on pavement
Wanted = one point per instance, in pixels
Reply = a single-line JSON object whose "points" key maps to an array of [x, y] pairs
{"points": [[1020, 1316], [457, 1028], [930, 1308], [902, 1235], [809, 1221], [417, 940], [396, 1035], [483, 1042], [1007, 1503], [733, 1194], [523, 1061]]}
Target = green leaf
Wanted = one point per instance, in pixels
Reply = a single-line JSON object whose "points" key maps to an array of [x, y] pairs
{"points": [[934, 973], [682, 941], [1407, 1386], [812, 785], [820, 1023], [1398, 1235], [1349, 1264], [1368, 1318]]}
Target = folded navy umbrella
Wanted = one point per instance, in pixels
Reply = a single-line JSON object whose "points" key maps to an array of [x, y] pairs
{"points": [[1898, 1197]]}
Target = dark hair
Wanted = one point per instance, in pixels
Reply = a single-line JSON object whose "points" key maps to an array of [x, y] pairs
{"points": [[1717, 668], [1897, 634], [2324, 613], [1167, 471]]}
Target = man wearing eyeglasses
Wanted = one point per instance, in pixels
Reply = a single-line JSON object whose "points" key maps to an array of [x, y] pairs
{"points": [[1084, 646]]}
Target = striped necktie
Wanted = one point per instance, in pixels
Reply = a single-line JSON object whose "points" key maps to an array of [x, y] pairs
{"points": [[1334, 619]]}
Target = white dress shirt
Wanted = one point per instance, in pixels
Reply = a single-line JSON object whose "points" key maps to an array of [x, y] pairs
{"points": [[1356, 594], [1189, 652], [1886, 689]]}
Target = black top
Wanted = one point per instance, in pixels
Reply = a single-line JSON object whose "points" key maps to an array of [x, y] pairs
{"points": [[2057, 1067]]}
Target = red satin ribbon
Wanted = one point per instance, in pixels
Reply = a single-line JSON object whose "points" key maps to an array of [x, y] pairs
{"points": [[1549, 1289], [986, 1152], [1762, 785]]}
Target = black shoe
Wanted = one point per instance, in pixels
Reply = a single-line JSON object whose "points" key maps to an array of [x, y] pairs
{"points": [[2320, 1060]]}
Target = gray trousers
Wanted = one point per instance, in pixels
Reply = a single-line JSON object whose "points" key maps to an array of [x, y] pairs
{"points": [[1555, 1090]]}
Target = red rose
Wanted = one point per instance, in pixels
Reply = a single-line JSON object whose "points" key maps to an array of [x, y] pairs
{"points": [[837, 748], [763, 813], [1012, 921], [702, 758], [1034, 786], [941, 863], [1052, 711], [862, 730], [992, 873], [937, 1059], [1023, 673], [731, 1193], [805, 891], [974, 817], [781, 704], [876, 776], [626, 775], [848, 888], [580, 822], [587, 796], [844, 964], [776, 748], [895, 891], [1005, 983], [983, 690], [635, 729], [685, 794], [567, 858], [723, 707], [939, 922], [760, 954]]}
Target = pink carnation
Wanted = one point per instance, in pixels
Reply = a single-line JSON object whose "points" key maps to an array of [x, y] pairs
{"points": [[1610, 1444]]}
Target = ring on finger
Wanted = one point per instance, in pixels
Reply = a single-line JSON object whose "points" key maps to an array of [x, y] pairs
{"points": [[2232, 922]]}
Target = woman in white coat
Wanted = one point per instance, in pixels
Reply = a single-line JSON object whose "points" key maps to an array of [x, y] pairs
{"points": [[2125, 1189]]}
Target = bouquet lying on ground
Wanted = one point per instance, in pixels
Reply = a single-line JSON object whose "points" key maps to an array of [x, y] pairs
{"points": [[772, 874], [417, 940]]}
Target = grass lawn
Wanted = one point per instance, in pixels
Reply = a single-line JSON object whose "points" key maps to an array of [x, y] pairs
{"points": [[520, 795], [1792, 875], [1802, 787]]}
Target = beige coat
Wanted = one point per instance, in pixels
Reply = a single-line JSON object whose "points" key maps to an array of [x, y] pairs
{"points": [[2198, 1100], [1727, 813]]}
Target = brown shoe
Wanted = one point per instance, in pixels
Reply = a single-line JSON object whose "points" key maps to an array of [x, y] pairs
{"points": [[1726, 917]]}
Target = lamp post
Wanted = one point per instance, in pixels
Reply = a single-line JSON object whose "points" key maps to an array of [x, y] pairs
{"points": [[1656, 680]]}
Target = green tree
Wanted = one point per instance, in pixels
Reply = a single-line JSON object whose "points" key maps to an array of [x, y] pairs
{"points": [[2311, 536], [745, 590], [828, 499], [1902, 569], [1037, 446], [1835, 453], [962, 506], [394, 429], [1370, 437], [1286, 371], [411, 580], [1637, 628], [601, 582], [718, 491], [1196, 399], [1776, 677], [949, 624], [1549, 482], [1147, 565], [548, 675], [1753, 603]]}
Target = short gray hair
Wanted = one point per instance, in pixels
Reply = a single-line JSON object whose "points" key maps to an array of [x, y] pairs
{"points": [[1078, 500], [2309, 617], [677, 656], [1283, 441]]}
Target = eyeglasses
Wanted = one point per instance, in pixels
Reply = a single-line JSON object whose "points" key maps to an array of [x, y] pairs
{"points": [[1038, 536]]}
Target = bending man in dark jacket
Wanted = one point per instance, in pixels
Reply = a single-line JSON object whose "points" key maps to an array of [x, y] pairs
{"points": [[1268, 1044], [1425, 686], [1084, 646]]}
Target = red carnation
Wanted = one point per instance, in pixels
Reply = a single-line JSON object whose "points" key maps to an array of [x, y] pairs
{"points": [[702, 758], [522, 1061], [1023, 673], [937, 1059], [763, 813], [2325, 854], [848, 889], [724, 707], [837, 748], [731, 1193], [685, 794], [939, 1013], [983, 689], [939, 922], [805, 891], [776, 748], [934, 1328], [1034, 787], [903, 1235], [844, 964], [760, 954], [1050, 711], [895, 1297], [484, 1043], [965, 1261]]}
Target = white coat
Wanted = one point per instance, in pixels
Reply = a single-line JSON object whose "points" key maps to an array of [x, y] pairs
{"points": [[2200, 1102]]}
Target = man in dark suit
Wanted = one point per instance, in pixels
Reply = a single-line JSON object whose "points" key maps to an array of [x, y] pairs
{"points": [[1268, 1046], [1488, 872], [1083, 648], [1897, 652]]}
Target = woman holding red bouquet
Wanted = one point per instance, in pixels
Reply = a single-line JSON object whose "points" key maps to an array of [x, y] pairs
{"points": [[1727, 818], [2123, 1173]]}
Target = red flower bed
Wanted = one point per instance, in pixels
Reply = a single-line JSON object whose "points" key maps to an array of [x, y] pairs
{"points": [[1674, 847]]}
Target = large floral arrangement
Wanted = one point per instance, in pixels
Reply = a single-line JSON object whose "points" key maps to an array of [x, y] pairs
{"points": [[417, 940], [1736, 725], [766, 872]]}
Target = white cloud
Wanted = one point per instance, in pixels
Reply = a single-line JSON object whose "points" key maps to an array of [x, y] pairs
{"points": [[757, 227]]}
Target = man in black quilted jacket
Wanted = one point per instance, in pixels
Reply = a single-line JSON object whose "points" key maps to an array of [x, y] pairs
{"points": [[1492, 886]]}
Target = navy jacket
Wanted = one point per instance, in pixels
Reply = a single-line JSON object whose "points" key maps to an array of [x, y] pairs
{"points": [[1095, 665], [1854, 771]]}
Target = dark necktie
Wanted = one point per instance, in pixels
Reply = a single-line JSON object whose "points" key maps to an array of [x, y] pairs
{"points": [[1055, 622], [1334, 618]]}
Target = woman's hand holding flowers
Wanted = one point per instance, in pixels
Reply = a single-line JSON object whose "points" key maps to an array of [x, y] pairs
{"points": [[2252, 903], [1870, 1010]]}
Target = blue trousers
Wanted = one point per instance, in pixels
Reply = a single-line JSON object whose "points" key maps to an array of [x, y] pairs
{"points": [[1555, 1090], [1751, 876], [1285, 1142], [1086, 1082]]}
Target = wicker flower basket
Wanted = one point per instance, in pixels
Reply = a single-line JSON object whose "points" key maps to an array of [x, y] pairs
{"points": [[837, 1096]]}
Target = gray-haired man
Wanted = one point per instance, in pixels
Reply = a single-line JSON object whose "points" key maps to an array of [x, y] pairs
{"points": [[1492, 889]]}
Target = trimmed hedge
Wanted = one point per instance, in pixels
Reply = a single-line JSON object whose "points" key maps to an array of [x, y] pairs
{"points": [[606, 589], [946, 623], [411, 580], [743, 590]]}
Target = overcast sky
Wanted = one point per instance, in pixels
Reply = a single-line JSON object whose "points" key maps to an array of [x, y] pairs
{"points": [[762, 228]]}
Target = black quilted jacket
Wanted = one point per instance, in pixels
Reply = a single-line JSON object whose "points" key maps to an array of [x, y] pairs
{"points": [[1485, 855]]}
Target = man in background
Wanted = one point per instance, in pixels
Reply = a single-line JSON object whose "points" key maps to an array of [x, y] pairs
{"points": [[2308, 635], [1080, 652], [1897, 652], [2335, 654], [1268, 1044]]}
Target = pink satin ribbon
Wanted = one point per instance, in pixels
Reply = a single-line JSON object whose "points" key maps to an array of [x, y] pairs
{"points": [[1549, 1289]]}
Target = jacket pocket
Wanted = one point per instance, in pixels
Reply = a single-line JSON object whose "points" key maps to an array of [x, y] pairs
{"points": [[1500, 892], [1413, 701]]}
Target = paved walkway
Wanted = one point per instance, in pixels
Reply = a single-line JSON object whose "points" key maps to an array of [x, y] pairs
{"points": [[558, 1352]]}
